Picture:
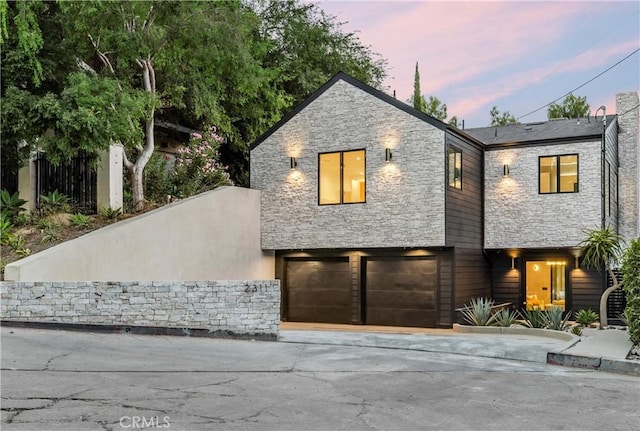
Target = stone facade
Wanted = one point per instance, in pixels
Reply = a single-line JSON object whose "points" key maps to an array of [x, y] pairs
{"points": [[238, 307], [404, 199], [629, 170], [518, 216]]}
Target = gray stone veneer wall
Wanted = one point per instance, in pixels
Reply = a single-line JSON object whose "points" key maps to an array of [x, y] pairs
{"points": [[404, 199], [239, 307], [629, 171], [518, 216]]}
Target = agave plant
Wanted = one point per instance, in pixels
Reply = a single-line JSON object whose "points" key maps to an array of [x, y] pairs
{"points": [[555, 320], [478, 312], [586, 317], [506, 317], [535, 318]]}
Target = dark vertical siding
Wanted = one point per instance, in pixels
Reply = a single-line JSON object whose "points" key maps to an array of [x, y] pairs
{"points": [[587, 285], [464, 221], [447, 297], [506, 281]]}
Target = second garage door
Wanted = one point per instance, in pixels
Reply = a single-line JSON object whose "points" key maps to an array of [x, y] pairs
{"points": [[401, 291]]}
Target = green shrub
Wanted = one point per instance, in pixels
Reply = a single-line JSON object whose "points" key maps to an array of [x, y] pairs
{"points": [[555, 321], [535, 318], [506, 317], [80, 220], [50, 234], [478, 312], [157, 179], [576, 330], [22, 219], [54, 202], [5, 226], [11, 204], [44, 223], [586, 317], [631, 286], [110, 213]]}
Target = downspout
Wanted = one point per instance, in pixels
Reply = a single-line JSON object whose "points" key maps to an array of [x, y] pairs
{"points": [[603, 154]]}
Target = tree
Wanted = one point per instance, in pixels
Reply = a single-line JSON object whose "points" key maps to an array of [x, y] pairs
{"points": [[631, 286], [501, 119], [454, 121], [571, 107], [602, 249], [436, 108], [418, 99]]}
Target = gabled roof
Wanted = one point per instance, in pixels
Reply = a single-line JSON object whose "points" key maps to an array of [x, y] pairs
{"points": [[341, 76], [552, 130]]}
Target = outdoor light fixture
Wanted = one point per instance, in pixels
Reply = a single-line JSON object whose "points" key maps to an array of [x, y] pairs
{"points": [[505, 170], [513, 261], [388, 155], [294, 162], [577, 262]]}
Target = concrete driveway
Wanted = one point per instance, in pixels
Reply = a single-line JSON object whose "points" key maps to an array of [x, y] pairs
{"points": [[56, 380]]}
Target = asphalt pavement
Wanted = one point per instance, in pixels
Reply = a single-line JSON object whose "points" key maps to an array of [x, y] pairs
{"points": [[58, 380]]}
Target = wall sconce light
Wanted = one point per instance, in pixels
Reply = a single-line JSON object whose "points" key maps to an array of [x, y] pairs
{"points": [[505, 170], [387, 155], [513, 263], [294, 162], [577, 262]]}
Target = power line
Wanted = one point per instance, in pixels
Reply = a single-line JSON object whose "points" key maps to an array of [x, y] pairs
{"points": [[580, 86]]}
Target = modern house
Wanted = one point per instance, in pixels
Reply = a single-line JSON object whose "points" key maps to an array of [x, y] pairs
{"points": [[380, 214]]}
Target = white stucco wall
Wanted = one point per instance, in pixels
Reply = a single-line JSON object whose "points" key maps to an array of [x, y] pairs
{"points": [[404, 199], [517, 216], [212, 236]]}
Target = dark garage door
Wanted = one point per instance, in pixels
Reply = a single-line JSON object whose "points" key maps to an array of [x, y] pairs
{"points": [[401, 291], [319, 290]]}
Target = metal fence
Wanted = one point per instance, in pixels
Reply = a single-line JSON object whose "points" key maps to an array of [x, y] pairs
{"points": [[75, 178], [616, 302]]}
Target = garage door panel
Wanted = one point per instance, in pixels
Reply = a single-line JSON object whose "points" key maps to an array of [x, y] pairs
{"points": [[401, 291], [381, 298], [319, 290]]}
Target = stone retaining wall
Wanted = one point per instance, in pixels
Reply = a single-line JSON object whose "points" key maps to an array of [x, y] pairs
{"points": [[231, 307]]}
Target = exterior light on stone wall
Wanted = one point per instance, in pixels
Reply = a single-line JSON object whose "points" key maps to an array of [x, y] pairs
{"points": [[387, 155], [294, 162], [505, 170]]}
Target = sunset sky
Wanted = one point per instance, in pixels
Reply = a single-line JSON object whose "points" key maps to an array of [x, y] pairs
{"points": [[517, 55]]}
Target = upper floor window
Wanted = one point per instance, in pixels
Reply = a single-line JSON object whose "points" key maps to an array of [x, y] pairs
{"points": [[455, 167], [558, 174], [341, 178]]}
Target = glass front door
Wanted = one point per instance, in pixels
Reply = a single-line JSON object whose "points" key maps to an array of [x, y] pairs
{"points": [[545, 284]]}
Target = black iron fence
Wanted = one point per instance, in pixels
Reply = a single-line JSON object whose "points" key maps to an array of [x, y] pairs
{"points": [[75, 178], [617, 300]]}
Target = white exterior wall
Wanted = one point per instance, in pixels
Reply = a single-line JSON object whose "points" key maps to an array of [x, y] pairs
{"points": [[518, 216], [211, 236], [404, 199]]}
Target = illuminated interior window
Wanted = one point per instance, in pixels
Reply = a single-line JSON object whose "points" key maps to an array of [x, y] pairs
{"points": [[558, 174], [342, 178], [546, 284], [455, 167]]}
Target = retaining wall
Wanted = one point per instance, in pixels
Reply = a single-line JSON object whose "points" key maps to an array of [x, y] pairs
{"points": [[235, 307]]}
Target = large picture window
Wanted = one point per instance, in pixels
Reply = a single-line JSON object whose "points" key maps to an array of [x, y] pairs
{"points": [[558, 174], [341, 178], [455, 167]]}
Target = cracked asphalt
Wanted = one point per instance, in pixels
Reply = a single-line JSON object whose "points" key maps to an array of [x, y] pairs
{"points": [[57, 380]]}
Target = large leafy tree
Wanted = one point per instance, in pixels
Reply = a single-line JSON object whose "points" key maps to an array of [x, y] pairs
{"points": [[571, 107], [501, 118]]}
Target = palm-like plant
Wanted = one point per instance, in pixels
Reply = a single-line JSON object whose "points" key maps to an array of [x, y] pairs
{"points": [[602, 249]]}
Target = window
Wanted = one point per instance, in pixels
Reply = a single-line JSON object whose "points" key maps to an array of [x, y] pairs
{"points": [[455, 167], [341, 178], [558, 174]]}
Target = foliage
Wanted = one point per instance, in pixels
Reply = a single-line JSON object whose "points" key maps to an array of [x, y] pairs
{"points": [[197, 168], [631, 285], [601, 249], [5, 226], [50, 234], [54, 202], [478, 312], [576, 330], [110, 213], [506, 317], [501, 119], [436, 108], [535, 318], [80, 220], [417, 99], [433, 106], [22, 219], [571, 107], [43, 223], [586, 317], [454, 121], [11, 204], [16, 242], [554, 319], [157, 179]]}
